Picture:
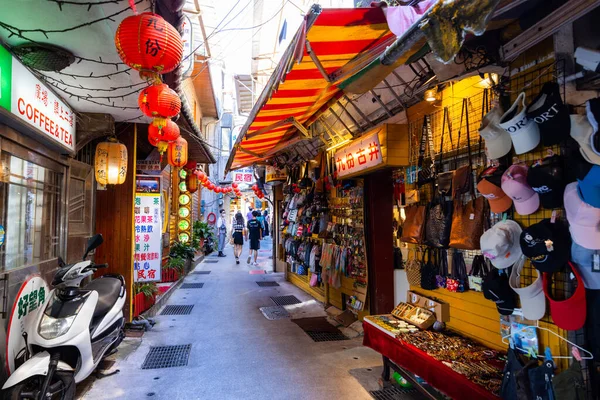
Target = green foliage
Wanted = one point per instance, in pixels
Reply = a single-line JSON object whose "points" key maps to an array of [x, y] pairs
{"points": [[148, 288], [202, 230], [176, 263], [182, 250]]}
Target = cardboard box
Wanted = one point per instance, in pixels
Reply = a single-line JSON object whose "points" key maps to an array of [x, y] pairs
{"points": [[441, 309]]}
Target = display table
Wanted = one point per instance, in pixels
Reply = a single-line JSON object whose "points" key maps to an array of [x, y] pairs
{"points": [[434, 372]]}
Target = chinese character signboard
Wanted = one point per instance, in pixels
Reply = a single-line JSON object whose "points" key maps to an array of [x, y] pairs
{"points": [[30, 301], [363, 153], [274, 174], [30, 100], [148, 165], [148, 232], [243, 175]]}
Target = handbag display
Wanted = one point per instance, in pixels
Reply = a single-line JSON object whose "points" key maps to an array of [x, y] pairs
{"points": [[413, 272], [467, 224], [429, 269], [463, 176], [444, 179], [458, 281], [479, 270], [426, 166], [412, 197], [438, 223], [305, 182], [320, 183], [442, 275], [412, 231]]}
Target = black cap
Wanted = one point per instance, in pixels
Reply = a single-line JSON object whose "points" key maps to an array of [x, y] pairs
{"points": [[547, 244], [496, 288], [548, 181], [550, 114]]}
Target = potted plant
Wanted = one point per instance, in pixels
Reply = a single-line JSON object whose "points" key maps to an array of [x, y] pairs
{"points": [[145, 295], [173, 269], [183, 251], [205, 235]]}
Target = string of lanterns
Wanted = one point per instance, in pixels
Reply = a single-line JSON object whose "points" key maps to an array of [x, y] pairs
{"points": [[259, 193], [209, 185]]}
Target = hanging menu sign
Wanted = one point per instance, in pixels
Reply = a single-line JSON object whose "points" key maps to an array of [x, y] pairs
{"points": [[148, 233], [361, 154]]}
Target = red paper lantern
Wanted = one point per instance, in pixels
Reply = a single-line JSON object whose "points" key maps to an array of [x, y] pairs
{"points": [[191, 182], [210, 186], [159, 101], [178, 153], [167, 133], [201, 175], [255, 187], [153, 138], [234, 185], [146, 42]]}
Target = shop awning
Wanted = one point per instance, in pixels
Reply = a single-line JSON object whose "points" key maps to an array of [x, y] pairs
{"points": [[330, 46]]}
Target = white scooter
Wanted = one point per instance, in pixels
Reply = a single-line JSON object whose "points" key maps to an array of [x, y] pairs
{"points": [[74, 330]]}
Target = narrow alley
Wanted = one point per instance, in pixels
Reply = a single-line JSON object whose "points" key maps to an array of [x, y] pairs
{"points": [[236, 353]]}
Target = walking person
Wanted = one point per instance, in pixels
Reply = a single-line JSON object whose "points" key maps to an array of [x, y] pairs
{"points": [[249, 215], [266, 222], [222, 232], [261, 220], [255, 236], [237, 228]]}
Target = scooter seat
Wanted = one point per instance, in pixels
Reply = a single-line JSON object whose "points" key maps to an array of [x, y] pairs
{"points": [[108, 289]]}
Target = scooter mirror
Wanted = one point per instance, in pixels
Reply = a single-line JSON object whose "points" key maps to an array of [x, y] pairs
{"points": [[93, 243], [61, 262]]}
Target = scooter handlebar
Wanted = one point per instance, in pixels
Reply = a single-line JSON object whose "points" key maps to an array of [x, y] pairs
{"points": [[100, 265]]}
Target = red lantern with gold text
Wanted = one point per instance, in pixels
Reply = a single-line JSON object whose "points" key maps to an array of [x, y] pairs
{"points": [[178, 153], [167, 133], [159, 101], [146, 42], [191, 181]]}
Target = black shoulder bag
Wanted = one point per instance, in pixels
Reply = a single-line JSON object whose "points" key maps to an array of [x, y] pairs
{"points": [[444, 179], [426, 167], [429, 270]]}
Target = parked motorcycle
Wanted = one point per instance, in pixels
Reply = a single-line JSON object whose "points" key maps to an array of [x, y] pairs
{"points": [[74, 330]]}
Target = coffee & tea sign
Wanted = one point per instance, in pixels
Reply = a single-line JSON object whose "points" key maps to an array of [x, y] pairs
{"points": [[361, 154]]}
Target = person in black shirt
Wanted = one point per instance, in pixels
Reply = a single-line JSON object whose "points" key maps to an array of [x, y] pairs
{"points": [[238, 228], [255, 236]]}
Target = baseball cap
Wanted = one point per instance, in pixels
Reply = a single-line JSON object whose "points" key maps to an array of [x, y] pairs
{"points": [[500, 244], [550, 114], [584, 260], [497, 140], [547, 180], [523, 131], [547, 244], [582, 131], [499, 201], [589, 187], [567, 314], [514, 184], [533, 302], [584, 220], [496, 288]]}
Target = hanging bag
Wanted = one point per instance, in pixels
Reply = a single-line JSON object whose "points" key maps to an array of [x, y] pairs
{"points": [[444, 179], [462, 177], [426, 167], [305, 182], [429, 270], [438, 223], [479, 270], [320, 183], [442, 276], [412, 230], [458, 281], [413, 271]]}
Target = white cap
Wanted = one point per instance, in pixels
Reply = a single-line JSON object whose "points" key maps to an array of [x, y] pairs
{"points": [[524, 132], [501, 244], [497, 140], [582, 131], [533, 301]]}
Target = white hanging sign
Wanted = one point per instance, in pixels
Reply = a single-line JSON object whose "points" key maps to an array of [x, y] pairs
{"points": [[359, 155]]}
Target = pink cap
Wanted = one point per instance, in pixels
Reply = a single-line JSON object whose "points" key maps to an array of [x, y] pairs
{"points": [[584, 220], [514, 184]]}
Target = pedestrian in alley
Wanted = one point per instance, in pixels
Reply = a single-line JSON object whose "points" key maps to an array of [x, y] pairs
{"points": [[255, 236], [266, 222], [222, 232], [261, 220], [249, 215], [238, 229]]}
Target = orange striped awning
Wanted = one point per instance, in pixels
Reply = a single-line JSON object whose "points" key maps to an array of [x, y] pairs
{"points": [[342, 41]]}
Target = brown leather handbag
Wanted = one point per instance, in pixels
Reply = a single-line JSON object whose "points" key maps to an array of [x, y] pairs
{"points": [[463, 176], [467, 224], [412, 231]]}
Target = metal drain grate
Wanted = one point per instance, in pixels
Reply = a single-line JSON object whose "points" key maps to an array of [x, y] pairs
{"points": [[201, 272], [211, 261], [319, 336], [167, 357], [285, 300], [177, 310], [192, 285], [396, 393], [274, 312], [267, 283]]}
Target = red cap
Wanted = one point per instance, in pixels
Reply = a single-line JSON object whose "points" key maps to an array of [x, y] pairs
{"points": [[568, 314]]}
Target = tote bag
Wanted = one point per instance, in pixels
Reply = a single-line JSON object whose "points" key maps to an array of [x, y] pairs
{"points": [[467, 224], [412, 231]]}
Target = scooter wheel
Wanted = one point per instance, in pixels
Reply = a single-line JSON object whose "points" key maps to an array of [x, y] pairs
{"points": [[63, 381]]}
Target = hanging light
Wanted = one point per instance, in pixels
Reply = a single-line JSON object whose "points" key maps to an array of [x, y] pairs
{"points": [[111, 162], [159, 101], [178, 152], [191, 180], [169, 132], [146, 42], [431, 95]]}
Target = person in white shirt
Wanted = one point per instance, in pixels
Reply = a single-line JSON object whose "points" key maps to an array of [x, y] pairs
{"points": [[221, 232]]}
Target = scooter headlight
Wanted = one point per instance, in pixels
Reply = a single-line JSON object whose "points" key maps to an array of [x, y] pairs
{"points": [[51, 328]]}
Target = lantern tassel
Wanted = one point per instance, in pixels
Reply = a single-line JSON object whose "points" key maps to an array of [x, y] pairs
{"points": [[132, 6]]}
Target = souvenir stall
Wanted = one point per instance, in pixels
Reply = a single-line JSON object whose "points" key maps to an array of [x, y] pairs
{"points": [[496, 225]]}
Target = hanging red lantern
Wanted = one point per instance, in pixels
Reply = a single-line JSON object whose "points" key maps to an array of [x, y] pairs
{"points": [[153, 139], [201, 175], [159, 101], [146, 42], [255, 187], [210, 186], [167, 133], [191, 182], [234, 185], [191, 166], [178, 153]]}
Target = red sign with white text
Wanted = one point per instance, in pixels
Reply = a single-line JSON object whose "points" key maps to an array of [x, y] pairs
{"points": [[361, 154]]}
